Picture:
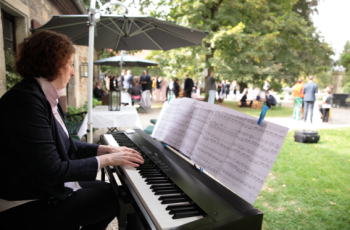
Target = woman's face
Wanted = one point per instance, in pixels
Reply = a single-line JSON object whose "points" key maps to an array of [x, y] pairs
{"points": [[64, 74]]}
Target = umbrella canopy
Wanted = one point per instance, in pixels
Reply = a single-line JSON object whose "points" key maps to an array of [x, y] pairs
{"points": [[126, 32], [127, 60]]}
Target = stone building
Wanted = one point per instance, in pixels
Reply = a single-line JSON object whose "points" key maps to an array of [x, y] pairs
{"points": [[18, 17]]}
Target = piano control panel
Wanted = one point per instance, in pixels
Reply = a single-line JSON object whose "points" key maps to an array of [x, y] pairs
{"points": [[154, 157]]}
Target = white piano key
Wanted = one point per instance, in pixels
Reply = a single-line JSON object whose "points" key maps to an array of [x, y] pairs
{"points": [[110, 139], [157, 211]]}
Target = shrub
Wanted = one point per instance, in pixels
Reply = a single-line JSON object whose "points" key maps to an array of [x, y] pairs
{"points": [[11, 77]]}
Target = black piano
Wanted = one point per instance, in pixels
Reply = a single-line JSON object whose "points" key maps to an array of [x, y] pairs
{"points": [[168, 192]]}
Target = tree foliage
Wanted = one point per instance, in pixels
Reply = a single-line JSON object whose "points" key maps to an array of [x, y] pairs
{"points": [[345, 61], [11, 77], [249, 41]]}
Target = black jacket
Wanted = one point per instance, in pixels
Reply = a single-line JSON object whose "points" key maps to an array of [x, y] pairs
{"points": [[98, 93], [36, 159], [188, 85]]}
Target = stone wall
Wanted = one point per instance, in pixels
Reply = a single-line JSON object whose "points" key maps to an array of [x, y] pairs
{"points": [[83, 53], [41, 10]]}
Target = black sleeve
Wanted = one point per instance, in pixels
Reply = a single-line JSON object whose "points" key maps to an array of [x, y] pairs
{"points": [[37, 149]]}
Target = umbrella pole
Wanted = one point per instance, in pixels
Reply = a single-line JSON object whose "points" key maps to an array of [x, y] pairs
{"points": [[121, 64], [90, 67]]}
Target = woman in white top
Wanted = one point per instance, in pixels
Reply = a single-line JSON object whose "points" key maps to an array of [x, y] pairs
{"points": [[326, 104]]}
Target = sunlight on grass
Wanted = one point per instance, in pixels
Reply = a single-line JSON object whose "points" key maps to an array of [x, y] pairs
{"points": [[309, 185], [274, 112]]}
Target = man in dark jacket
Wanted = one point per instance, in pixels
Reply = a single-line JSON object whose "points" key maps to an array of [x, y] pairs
{"points": [[98, 91], [270, 100], [309, 91], [188, 85], [145, 79]]}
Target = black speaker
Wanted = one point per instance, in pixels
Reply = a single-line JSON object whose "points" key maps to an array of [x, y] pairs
{"points": [[306, 136]]}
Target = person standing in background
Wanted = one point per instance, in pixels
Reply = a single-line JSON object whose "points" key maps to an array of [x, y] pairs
{"points": [[163, 89], [220, 90], [188, 86], [326, 104], [176, 88], [171, 87], [158, 87], [127, 80], [211, 87], [266, 86], [227, 88], [201, 87], [149, 85], [121, 79], [234, 86], [144, 80], [154, 83], [112, 82], [298, 99], [309, 91]]}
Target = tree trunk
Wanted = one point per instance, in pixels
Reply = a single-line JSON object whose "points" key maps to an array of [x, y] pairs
{"points": [[210, 68], [242, 86]]}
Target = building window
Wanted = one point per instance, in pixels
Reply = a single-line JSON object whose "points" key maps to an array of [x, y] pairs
{"points": [[8, 28]]}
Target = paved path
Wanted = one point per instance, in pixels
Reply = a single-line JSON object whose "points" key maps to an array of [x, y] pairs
{"points": [[340, 118]]}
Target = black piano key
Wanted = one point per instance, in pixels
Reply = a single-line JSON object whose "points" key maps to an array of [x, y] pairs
{"points": [[148, 170], [175, 206], [174, 200], [164, 188], [157, 182], [177, 210], [151, 175], [155, 178], [186, 214], [148, 166], [168, 186], [166, 191]]}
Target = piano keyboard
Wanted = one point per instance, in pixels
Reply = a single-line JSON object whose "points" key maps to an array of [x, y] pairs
{"points": [[168, 192], [166, 204]]}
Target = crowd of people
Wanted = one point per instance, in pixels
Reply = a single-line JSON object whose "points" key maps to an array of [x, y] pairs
{"points": [[160, 88]]}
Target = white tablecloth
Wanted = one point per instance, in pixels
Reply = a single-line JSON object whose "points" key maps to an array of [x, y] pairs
{"points": [[103, 118], [125, 98]]}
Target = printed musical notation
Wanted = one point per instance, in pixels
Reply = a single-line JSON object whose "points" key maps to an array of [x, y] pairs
{"points": [[228, 144]]}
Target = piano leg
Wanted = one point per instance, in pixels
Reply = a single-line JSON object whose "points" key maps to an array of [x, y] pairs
{"points": [[133, 222]]}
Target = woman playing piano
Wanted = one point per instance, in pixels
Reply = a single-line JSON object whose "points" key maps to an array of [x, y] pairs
{"points": [[48, 179]]}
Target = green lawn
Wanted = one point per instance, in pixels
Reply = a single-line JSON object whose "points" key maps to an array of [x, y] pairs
{"points": [[309, 184], [274, 112]]}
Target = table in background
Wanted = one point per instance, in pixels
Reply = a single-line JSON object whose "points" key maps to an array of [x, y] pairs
{"points": [[103, 118]]}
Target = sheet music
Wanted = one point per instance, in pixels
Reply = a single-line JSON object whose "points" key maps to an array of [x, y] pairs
{"points": [[228, 144], [214, 144]]}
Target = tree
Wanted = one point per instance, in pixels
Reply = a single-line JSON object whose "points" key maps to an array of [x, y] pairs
{"points": [[249, 40], [345, 61]]}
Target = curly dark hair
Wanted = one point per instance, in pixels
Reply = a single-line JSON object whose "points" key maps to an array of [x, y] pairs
{"points": [[42, 55]]}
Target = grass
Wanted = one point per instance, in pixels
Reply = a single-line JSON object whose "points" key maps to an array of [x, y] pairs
{"points": [[274, 112], [309, 184]]}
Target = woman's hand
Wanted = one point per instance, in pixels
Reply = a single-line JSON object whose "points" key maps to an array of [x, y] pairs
{"points": [[118, 156]]}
